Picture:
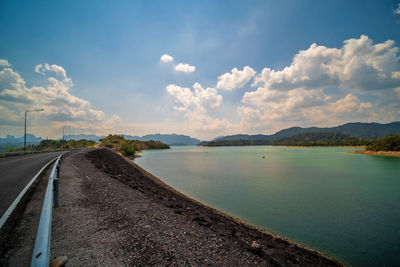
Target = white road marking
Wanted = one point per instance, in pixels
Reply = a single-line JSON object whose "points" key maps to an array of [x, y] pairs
{"points": [[10, 209], [88, 177], [75, 166]]}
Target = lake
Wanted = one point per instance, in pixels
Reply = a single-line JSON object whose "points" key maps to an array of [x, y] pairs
{"points": [[344, 205]]}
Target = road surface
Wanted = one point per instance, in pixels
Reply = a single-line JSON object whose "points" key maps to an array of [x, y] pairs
{"points": [[16, 172]]}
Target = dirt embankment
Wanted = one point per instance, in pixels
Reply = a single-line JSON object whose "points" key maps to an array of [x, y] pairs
{"points": [[378, 153], [269, 248]]}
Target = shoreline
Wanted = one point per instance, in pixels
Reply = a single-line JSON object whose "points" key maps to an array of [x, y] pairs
{"points": [[328, 146], [267, 245], [394, 154]]}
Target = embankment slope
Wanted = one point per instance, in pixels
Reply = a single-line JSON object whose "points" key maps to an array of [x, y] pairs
{"points": [[268, 248]]}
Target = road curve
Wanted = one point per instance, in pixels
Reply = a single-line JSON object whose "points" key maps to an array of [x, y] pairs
{"points": [[16, 172]]}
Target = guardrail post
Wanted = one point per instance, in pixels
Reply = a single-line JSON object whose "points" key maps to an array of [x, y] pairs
{"points": [[55, 185], [58, 169]]}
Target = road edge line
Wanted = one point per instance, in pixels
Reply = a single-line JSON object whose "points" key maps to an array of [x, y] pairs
{"points": [[10, 209]]}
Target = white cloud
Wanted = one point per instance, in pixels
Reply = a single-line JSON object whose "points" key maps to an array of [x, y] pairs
{"points": [[38, 68], [204, 123], [397, 10], [236, 79], [198, 100], [295, 95], [295, 110], [322, 86], [166, 58], [185, 68], [54, 68], [249, 115], [59, 105], [4, 63], [349, 104], [357, 65], [195, 105]]}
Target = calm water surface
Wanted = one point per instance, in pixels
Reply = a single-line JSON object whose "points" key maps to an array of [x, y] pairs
{"points": [[343, 204]]}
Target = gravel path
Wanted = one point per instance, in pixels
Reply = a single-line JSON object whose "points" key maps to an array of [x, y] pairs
{"points": [[113, 213]]}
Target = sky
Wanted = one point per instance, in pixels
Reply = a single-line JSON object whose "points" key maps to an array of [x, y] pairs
{"points": [[199, 68]]}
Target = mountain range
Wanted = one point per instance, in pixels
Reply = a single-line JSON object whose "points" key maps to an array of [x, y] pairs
{"points": [[19, 141], [354, 129], [169, 139]]}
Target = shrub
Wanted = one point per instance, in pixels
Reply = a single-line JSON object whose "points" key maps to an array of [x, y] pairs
{"points": [[388, 143], [127, 150]]}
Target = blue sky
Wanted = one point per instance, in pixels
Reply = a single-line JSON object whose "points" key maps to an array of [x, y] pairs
{"points": [[96, 66]]}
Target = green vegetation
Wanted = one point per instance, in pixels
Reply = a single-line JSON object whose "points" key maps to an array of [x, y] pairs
{"points": [[62, 144], [388, 143], [129, 147], [322, 139], [302, 139]]}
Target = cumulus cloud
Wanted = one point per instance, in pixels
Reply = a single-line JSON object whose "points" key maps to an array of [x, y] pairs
{"points": [[4, 63], [296, 95], [195, 105], [397, 10], [59, 105], [322, 86], [349, 104], [181, 67], [235, 79], [54, 68], [204, 123], [357, 65], [295, 111], [198, 100], [185, 68], [166, 58]]}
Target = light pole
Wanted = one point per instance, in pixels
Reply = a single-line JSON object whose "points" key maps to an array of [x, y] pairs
{"points": [[63, 131], [26, 111]]}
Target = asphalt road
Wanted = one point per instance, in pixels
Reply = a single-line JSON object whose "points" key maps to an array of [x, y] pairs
{"points": [[16, 172]]}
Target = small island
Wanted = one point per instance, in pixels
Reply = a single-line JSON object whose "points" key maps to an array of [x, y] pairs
{"points": [[129, 148]]}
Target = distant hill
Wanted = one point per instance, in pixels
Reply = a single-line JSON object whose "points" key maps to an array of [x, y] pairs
{"points": [[315, 136], [17, 142], [302, 139], [355, 129], [83, 136], [169, 139]]}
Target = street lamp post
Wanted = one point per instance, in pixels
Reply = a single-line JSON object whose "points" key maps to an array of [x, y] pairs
{"points": [[26, 111], [63, 131]]}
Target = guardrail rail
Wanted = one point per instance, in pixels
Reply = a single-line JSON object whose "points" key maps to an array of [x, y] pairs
{"points": [[41, 251]]}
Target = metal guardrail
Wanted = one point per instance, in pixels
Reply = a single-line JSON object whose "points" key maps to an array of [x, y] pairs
{"points": [[41, 251]]}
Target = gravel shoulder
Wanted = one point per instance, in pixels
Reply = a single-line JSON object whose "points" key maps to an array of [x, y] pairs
{"points": [[113, 213]]}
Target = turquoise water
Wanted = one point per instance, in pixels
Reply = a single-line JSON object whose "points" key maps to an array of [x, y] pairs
{"points": [[345, 205]]}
